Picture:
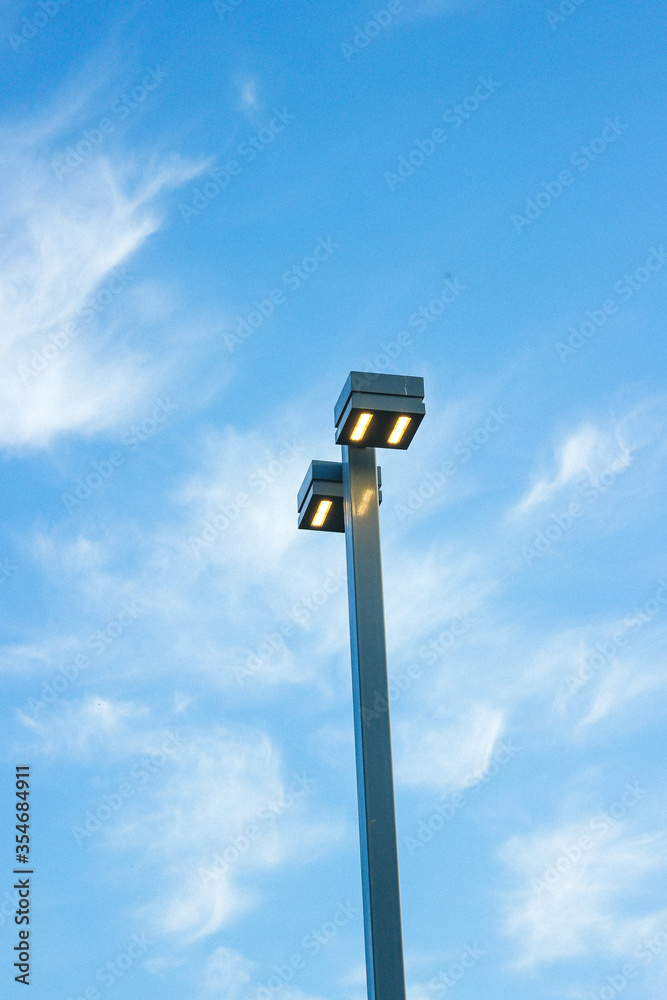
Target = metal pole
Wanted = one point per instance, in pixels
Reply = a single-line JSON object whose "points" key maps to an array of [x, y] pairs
{"points": [[375, 787]]}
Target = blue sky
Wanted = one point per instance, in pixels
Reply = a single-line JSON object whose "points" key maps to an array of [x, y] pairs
{"points": [[211, 213]]}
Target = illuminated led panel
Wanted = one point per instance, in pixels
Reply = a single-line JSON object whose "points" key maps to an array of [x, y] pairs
{"points": [[323, 508]]}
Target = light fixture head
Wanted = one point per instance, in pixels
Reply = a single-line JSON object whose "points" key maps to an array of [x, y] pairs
{"points": [[320, 499], [379, 411]]}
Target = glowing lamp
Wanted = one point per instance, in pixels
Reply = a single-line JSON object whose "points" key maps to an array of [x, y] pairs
{"points": [[379, 411]]}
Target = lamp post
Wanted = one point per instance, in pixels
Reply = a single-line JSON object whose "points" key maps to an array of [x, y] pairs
{"points": [[373, 411]]}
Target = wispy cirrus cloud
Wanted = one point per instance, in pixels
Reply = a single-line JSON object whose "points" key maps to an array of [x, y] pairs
{"points": [[251, 819], [210, 826], [579, 889], [67, 361], [229, 971], [447, 754], [586, 451]]}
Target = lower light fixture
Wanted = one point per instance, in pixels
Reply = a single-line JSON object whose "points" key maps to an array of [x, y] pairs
{"points": [[320, 499]]}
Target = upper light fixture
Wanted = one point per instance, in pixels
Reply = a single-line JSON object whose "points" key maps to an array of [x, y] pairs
{"points": [[379, 411]]}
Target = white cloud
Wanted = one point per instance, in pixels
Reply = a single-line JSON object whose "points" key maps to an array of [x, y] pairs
{"points": [[622, 683], [428, 588], [248, 95], [586, 452], [599, 668], [229, 971], [224, 816], [28, 658], [80, 728], [251, 534], [579, 890], [210, 826], [446, 753], [66, 362]]}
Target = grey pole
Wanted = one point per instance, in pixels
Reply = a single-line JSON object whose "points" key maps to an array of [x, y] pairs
{"points": [[375, 787]]}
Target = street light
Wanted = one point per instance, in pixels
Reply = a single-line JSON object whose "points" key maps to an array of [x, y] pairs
{"points": [[320, 498], [373, 411], [379, 411]]}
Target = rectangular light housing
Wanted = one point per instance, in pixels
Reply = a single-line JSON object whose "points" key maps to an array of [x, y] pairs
{"points": [[320, 499], [379, 411]]}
